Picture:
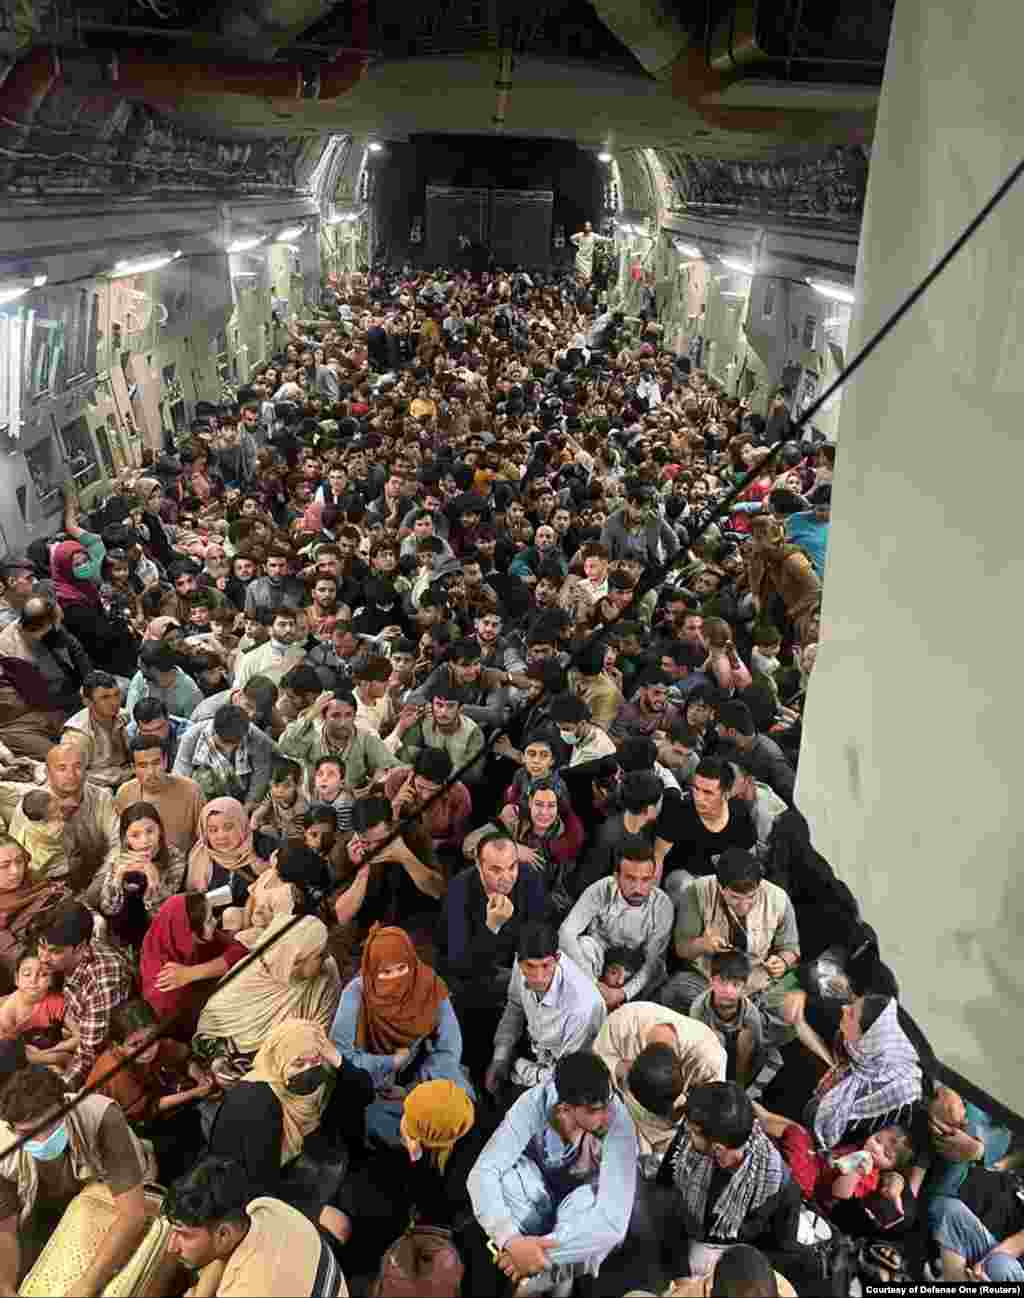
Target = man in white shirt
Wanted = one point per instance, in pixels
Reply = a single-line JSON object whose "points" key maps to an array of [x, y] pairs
{"points": [[554, 1001], [275, 658]]}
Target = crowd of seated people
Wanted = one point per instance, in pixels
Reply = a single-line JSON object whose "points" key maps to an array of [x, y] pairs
{"points": [[399, 827]]}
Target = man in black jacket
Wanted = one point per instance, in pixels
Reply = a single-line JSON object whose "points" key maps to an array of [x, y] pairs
{"points": [[733, 1184], [484, 910]]}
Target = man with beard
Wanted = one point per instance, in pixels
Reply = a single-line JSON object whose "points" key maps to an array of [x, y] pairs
{"points": [[275, 589], [638, 530], [485, 696], [628, 910], [322, 612], [503, 654], [440, 725], [328, 729], [275, 658], [649, 712]]}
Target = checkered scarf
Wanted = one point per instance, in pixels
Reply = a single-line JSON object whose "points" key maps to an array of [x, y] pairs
{"points": [[881, 1073], [757, 1179]]}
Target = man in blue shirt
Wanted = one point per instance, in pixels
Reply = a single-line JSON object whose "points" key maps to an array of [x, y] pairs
{"points": [[553, 1189], [809, 527]]}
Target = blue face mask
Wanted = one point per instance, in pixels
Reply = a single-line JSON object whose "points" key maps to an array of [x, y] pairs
{"points": [[45, 1151]]}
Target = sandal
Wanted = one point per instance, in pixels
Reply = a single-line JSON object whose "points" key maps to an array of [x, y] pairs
{"points": [[883, 1263]]}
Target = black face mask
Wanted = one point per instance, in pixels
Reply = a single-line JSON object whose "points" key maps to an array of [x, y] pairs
{"points": [[309, 1080]]}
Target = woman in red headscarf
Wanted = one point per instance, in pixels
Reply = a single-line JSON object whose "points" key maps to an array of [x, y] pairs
{"points": [[395, 1021], [183, 954]]}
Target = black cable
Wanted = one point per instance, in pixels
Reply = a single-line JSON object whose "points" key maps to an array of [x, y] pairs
{"points": [[646, 583]]}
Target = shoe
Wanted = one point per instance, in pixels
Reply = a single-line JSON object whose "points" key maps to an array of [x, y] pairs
{"points": [[556, 1282], [534, 1285]]}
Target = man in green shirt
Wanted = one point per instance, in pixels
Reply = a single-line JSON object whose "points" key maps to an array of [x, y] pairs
{"points": [[328, 728], [440, 725]]}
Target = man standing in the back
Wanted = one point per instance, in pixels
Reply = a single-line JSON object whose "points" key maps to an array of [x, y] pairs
{"points": [[585, 242]]}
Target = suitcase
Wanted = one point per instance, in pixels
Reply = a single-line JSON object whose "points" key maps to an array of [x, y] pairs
{"points": [[151, 1271]]}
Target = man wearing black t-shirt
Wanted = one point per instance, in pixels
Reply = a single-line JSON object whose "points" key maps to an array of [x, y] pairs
{"points": [[691, 835]]}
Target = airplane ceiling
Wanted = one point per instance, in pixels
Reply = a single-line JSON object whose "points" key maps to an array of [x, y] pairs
{"points": [[235, 94]]}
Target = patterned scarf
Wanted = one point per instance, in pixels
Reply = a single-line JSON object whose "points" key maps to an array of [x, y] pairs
{"points": [[757, 1178], [881, 1073]]}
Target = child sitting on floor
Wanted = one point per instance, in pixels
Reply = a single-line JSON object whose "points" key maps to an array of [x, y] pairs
{"points": [[737, 1022], [846, 1172], [281, 811], [620, 964]]}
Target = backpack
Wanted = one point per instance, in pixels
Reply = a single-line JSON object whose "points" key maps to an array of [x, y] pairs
{"points": [[422, 1263]]}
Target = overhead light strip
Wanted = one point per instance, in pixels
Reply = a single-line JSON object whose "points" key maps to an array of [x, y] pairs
{"points": [[740, 267], [144, 265], [834, 292]]}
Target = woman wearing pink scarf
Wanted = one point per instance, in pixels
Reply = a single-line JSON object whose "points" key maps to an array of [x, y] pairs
{"points": [[75, 566]]}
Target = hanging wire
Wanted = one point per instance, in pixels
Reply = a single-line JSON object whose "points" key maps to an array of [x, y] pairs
{"points": [[646, 583]]}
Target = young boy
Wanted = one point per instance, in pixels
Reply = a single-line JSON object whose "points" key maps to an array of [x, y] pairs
{"points": [[256, 632], [328, 786], [730, 1013], [764, 657], [281, 812], [620, 964], [43, 837], [538, 764]]}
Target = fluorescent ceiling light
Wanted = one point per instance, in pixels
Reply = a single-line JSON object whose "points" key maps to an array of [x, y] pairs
{"points": [[39, 281], [834, 292], [374, 147], [604, 156], [688, 250], [741, 267], [293, 232], [731, 294], [11, 295], [145, 264], [246, 245]]}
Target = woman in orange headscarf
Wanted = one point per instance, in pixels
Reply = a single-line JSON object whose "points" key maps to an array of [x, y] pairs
{"points": [[395, 1021]]}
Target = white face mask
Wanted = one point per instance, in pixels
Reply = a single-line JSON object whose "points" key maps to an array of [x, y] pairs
{"points": [[569, 737]]}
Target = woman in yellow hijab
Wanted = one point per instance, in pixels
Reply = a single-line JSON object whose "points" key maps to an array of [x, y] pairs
{"points": [[425, 1181]]}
